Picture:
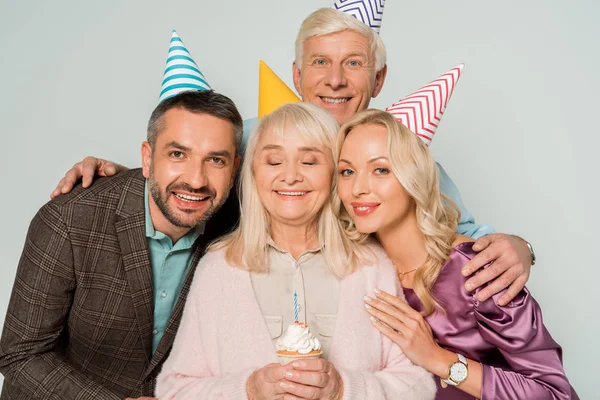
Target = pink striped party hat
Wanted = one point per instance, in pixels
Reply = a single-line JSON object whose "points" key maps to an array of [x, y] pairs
{"points": [[422, 110]]}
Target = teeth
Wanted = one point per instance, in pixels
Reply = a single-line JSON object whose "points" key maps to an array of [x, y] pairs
{"points": [[188, 197], [334, 101], [292, 193], [362, 208]]}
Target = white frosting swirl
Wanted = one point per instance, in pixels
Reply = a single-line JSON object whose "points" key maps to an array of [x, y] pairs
{"points": [[298, 338]]}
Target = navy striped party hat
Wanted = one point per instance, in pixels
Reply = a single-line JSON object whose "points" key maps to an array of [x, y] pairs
{"points": [[368, 11], [182, 72]]}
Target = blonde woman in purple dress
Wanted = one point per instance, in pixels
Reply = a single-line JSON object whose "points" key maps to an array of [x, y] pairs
{"points": [[388, 187]]}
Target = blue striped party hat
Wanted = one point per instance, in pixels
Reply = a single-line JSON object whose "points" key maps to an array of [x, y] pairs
{"points": [[181, 73], [368, 11]]}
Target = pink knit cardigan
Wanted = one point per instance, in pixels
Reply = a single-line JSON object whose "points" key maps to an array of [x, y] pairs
{"points": [[223, 338]]}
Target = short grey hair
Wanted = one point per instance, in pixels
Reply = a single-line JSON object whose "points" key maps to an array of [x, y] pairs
{"points": [[198, 102], [326, 21]]}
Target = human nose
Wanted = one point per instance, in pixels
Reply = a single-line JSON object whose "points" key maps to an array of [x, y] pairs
{"points": [[196, 175], [290, 173], [360, 185], [336, 77]]}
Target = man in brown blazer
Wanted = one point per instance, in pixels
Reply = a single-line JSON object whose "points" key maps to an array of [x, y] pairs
{"points": [[80, 323]]}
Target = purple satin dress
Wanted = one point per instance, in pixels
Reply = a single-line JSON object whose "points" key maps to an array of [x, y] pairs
{"points": [[520, 359]]}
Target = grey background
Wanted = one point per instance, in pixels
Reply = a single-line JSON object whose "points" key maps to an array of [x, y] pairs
{"points": [[519, 137]]}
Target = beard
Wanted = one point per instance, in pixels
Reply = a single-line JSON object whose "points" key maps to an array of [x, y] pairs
{"points": [[161, 200]]}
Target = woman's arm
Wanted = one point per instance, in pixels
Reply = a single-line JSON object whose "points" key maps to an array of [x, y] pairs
{"points": [[535, 359], [408, 329]]}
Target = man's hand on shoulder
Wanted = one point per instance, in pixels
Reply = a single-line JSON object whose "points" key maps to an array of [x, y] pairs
{"points": [[86, 170], [510, 260]]}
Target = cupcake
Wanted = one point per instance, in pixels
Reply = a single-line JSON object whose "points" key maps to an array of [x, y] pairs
{"points": [[297, 343]]}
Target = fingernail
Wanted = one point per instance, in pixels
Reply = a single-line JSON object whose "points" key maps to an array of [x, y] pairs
{"points": [[377, 291], [285, 385], [469, 286], [368, 307], [299, 364], [464, 271], [374, 320], [368, 298], [289, 374]]}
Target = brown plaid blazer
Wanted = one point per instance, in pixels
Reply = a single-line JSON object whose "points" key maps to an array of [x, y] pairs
{"points": [[80, 318]]}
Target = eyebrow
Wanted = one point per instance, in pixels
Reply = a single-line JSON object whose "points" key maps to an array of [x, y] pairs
{"points": [[217, 153], [356, 54], [303, 148], [220, 153], [371, 161], [178, 146]]}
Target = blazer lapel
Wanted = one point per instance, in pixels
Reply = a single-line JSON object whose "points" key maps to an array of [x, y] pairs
{"points": [[131, 232]]}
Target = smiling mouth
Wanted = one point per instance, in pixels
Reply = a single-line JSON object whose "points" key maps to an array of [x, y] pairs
{"points": [[295, 194], [335, 100], [190, 199], [364, 209]]}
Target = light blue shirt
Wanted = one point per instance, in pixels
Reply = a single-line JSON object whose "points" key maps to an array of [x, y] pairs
{"points": [[170, 264], [466, 225]]}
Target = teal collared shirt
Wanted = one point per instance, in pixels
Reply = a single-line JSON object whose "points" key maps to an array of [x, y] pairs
{"points": [[170, 264]]}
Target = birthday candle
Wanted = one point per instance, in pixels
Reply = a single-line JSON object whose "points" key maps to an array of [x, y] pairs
{"points": [[295, 306]]}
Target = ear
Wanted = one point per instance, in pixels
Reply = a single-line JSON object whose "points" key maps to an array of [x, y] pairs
{"points": [[379, 79], [146, 159], [297, 78], [236, 166]]}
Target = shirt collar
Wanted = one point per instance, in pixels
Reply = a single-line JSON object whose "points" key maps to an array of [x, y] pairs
{"points": [[184, 243], [272, 243]]}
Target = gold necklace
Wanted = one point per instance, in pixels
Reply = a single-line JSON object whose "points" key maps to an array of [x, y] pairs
{"points": [[401, 274]]}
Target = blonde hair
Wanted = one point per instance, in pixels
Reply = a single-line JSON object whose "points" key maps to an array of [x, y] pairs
{"points": [[437, 215], [246, 247], [326, 21]]}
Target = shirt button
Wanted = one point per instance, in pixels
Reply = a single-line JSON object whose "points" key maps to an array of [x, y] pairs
{"points": [[163, 294], [154, 331]]}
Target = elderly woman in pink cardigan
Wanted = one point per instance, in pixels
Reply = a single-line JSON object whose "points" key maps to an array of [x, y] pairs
{"points": [[288, 260]]}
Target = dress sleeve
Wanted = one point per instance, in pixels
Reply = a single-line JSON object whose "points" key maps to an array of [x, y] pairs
{"points": [[534, 359]]}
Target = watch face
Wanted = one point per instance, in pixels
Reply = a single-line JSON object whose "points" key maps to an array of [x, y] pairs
{"points": [[458, 372]]}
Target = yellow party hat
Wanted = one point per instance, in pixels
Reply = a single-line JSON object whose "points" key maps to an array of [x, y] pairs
{"points": [[272, 92]]}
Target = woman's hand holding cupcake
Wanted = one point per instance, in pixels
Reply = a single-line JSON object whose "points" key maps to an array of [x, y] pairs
{"points": [[313, 379], [299, 380]]}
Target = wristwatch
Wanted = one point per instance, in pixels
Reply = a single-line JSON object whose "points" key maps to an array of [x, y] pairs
{"points": [[530, 247], [457, 371]]}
